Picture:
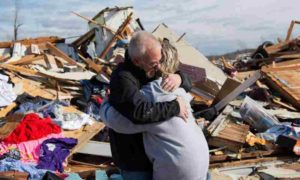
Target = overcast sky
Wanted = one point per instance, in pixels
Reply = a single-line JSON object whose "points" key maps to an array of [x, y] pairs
{"points": [[212, 26]]}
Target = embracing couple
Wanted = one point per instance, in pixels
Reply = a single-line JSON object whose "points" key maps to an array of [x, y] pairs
{"points": [[153, 133]]}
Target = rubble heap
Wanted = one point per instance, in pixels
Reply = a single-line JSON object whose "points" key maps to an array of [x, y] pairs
{"points": [[249, 109]]}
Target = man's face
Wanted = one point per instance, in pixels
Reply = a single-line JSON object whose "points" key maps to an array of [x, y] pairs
{"points": [[151, 63]]}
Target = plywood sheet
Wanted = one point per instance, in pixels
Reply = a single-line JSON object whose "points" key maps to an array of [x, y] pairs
{"points": [[285, 79]]}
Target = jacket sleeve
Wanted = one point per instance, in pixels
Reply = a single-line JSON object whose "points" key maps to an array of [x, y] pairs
{"points": [[186, 82], [139, 110], [119, 123]]}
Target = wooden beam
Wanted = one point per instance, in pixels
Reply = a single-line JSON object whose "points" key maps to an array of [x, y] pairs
{"points": [[57, 52], [83, 135], [50, 61], [82, 39], [20, 69], [7, 109], [249, 162], [289, 33], [92, 65], [39, 40], [120, 30], [280, 46], [290, 30], [27, 60], [96, 23], [6, 44]]}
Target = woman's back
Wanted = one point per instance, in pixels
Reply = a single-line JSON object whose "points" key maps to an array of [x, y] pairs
{"points": [[177, 149]]}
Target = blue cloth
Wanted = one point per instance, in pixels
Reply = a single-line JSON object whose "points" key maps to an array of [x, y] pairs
{"points": [[101, 175], [283, 129], [54, 151], [73, 176], [93, 87], [9, 164], [93, 109], [48, 111], [136, 175]]}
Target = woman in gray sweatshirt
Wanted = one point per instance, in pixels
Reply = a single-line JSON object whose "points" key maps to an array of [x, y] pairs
{"points": [[177, 149]]}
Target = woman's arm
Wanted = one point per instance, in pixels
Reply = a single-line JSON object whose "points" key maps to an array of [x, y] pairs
{"points": [[119, 123]]}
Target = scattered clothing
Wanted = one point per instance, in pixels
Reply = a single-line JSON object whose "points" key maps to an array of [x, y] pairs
{"points": [[23, 98], [14, 154], [9, 164], [93, 109], [93, 87], [32, 127], [30, 106], [7, 95], [54, 151], [43, 107], [283, 129], [28, 150], [68, 121], [73, 121]]}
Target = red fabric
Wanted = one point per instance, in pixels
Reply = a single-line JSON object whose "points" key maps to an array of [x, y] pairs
{"points": [[99, 100], [32, 127]]}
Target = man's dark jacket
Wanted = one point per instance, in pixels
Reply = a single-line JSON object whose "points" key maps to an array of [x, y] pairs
{"points": [[127, 149]]}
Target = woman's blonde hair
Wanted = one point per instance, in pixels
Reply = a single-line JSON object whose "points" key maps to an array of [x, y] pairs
{"points": [[169, 59]]}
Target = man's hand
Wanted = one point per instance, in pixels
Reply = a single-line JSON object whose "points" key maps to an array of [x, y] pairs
{"points": [[183, 110], [171, 82]]}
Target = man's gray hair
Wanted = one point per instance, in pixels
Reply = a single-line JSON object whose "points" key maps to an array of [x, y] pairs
{"points": [[140, 43]]}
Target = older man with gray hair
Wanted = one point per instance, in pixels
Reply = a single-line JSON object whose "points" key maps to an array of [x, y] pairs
{"points": [[139, 68]]}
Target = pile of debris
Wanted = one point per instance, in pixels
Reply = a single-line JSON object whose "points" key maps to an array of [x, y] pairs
{"points": [[251, 117], [260, 121]]}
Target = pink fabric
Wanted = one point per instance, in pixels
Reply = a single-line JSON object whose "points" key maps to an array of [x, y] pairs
{"points": [[29, 150]]}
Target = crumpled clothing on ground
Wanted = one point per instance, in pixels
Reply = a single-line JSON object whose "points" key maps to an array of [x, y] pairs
{"points": [[7, 95], [48, 111], [93, 109], [73, 121], [54, 151], [32, 127], [9, 164], [29, 150]]}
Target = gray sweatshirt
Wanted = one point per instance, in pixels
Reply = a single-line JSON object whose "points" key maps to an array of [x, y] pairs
{"points": [[177, 149]]}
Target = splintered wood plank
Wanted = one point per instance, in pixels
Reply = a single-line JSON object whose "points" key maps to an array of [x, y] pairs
{"points": [[249, 162], [20, 69], [92, 65], [84, 134], [220, 142], [216, 124], [10, 125], [233, 132], [84, 38], [35, 88], [39, 40], [27, 60], [115, 37], [57, 52], [50, 61], [285, 79], [229, 85], [7, 109]]}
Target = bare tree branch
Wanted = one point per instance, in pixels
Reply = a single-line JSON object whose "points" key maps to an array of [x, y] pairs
{"points": [[17, 25]]}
